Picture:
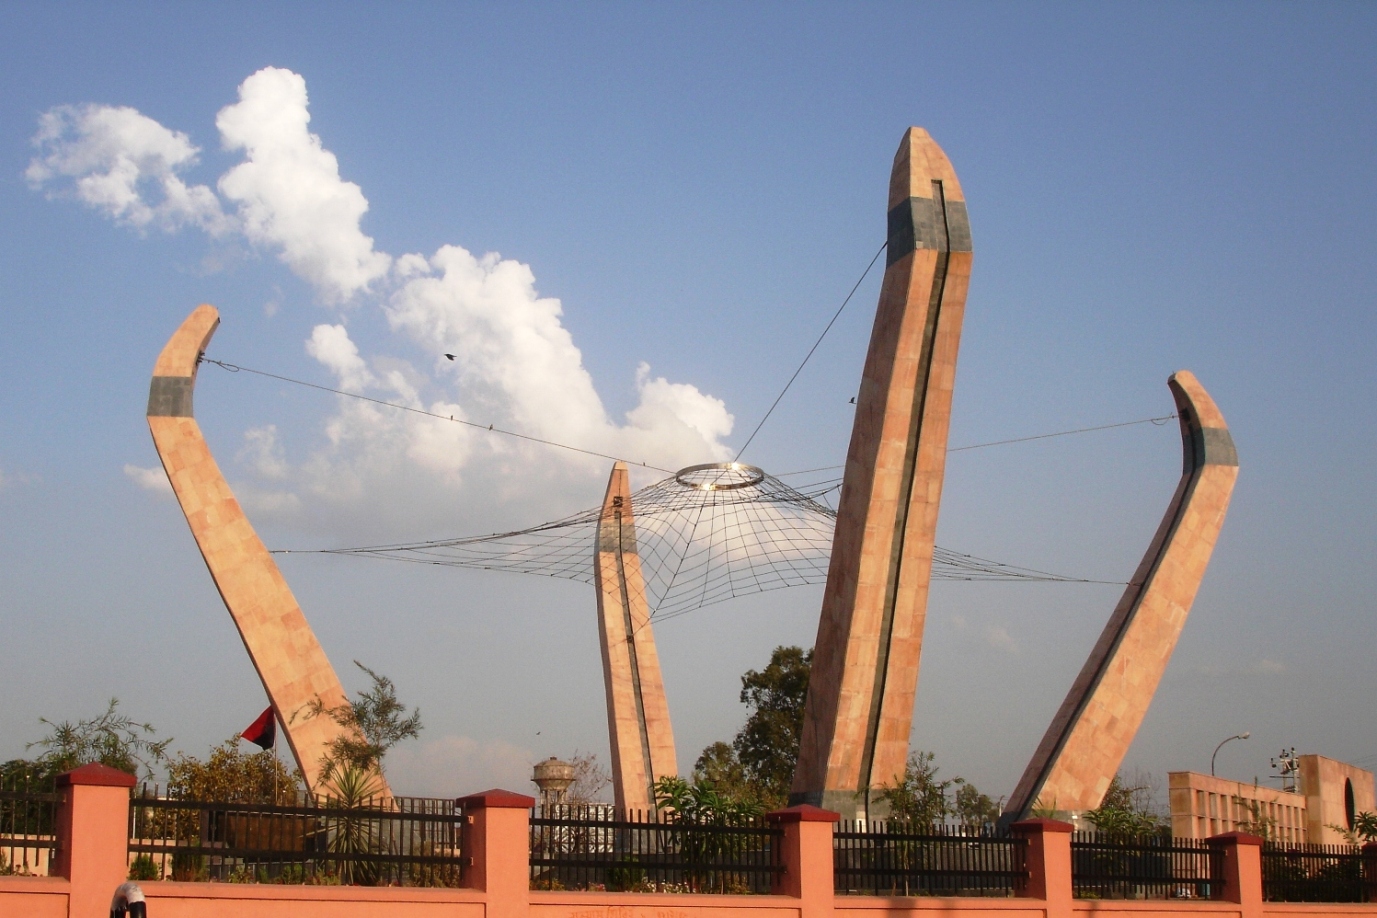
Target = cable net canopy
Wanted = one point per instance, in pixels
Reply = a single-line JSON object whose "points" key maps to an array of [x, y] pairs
{"points": [[708, 534]]}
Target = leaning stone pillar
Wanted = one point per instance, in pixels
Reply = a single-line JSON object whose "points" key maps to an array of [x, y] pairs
{"points": [[870, 635], [289, 660], [641, 736], [1087, 740]]}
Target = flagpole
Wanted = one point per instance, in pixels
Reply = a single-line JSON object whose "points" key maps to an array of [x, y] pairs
{"points": [[276, 768]]}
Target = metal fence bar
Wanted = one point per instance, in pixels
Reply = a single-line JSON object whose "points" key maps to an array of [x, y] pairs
{"points": [[399, 841], [28, 825], [598, 848], [1143, 867], [1313, 873], [898, 859]]}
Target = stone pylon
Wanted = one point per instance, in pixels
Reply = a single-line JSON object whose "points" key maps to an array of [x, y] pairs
{"points": [[865, 664], [289, 660], [1087, 740], [641, 737]]}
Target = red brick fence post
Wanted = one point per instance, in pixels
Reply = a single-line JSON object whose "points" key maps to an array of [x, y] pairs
{"points": [[497, 850], [1049, 863], [1242, 880], [93, 836], [806, 855]]}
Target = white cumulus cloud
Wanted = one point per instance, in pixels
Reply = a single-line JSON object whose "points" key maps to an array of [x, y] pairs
{"points": [[330, 344], [289, 191], [514, 365], [154, 479], [263, 453], [125, 164], [514, 357]]}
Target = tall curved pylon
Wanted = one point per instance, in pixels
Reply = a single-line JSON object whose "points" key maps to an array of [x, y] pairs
{"points": [[870, 634], [641, 736], [290, 661], [1087, 740]]}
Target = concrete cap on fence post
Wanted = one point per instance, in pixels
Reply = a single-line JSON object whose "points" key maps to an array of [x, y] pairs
{"points": [[1040, 825], [1048, 860], [93, 835], [1242, 879], [1237, 838], [804, 812], [496, 799], [806, 856], [96, 775], [497, 850]]}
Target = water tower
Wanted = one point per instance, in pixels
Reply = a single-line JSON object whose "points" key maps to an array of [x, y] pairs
{"points": [[554, 778]]}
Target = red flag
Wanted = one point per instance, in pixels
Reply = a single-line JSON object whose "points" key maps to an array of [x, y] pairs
{"points": [[263, 731]]}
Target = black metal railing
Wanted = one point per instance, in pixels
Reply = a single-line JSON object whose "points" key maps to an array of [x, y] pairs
{"points": [[28, 824], [898, 859], [397, 841], [1315, 873], [1143, 867], [597, 848]]}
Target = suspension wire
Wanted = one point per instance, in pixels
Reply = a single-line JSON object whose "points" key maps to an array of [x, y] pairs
{"points": [[1066, 433], [806, 358], [697, 547], [825, 468], [1158, 422], [490, 428]]}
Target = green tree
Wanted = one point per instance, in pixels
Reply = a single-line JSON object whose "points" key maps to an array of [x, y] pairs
{"points": [[917, 796], [230, 775], [110, 738], [1127, 808], [373, 723], [701, 804], [758, 765], [974, 810], [1364, 829], [719, 766], [767, 745]]}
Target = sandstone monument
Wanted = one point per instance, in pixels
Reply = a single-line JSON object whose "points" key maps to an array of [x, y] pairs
{"points": [[642, 739], [1086, 742], [284, 651], [870, 635]]}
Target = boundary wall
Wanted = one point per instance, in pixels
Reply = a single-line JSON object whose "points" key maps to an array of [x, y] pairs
{"points": [[92, 859]]}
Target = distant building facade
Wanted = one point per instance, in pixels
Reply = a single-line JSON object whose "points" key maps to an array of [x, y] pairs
{"points": [[1328, 793]]}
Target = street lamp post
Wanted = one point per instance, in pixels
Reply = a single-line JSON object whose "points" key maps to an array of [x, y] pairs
{"points": [[1244, 735]]}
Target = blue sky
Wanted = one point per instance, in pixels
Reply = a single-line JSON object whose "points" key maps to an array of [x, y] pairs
{"points": [[1151, 188]]}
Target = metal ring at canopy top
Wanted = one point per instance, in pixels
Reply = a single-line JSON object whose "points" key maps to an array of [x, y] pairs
{"points": [[729, 476]]}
